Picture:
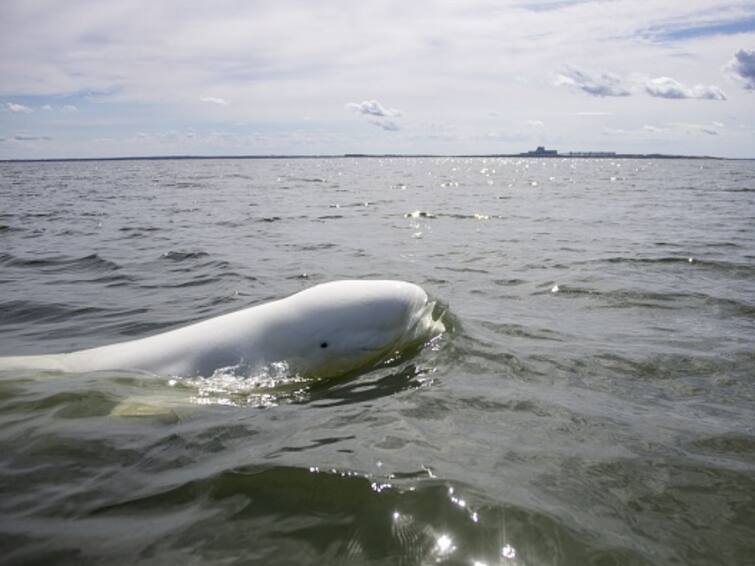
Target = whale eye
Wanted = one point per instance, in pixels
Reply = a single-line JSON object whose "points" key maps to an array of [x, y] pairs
{"points": [[324, 345]]}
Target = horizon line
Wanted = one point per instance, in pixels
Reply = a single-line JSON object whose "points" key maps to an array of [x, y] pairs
{"points": [[525, 155]]}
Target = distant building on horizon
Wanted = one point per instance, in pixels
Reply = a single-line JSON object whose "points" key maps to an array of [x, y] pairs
{"points": [[541, 152], [591, 154]]}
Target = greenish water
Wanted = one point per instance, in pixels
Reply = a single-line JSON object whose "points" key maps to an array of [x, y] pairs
{"points": [[592, 403]]}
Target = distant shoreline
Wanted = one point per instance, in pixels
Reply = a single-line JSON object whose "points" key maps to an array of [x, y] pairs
{"points": [[377, 156]]}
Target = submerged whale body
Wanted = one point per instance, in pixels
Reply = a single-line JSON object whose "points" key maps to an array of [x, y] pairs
{"points": [[324, 331]]}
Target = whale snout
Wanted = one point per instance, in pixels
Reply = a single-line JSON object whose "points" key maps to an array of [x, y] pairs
{"points": [[396, 304]]}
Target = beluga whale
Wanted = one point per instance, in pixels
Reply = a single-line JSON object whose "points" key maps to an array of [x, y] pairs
{"points": [[327, 330]]}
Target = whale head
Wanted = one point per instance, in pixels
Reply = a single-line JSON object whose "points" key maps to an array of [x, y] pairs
{"points": [[340, 327]]}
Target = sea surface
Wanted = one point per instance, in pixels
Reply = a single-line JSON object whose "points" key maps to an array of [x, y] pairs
{"points": [[592, 402]]}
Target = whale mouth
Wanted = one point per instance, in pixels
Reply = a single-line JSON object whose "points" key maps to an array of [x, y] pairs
{"points": [[425, 324]]}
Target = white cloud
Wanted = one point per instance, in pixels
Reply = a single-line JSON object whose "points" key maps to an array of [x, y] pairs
{"points": [[742, 68], [676, 131], [688, 128], [614, 131], [610, 84], [592, 114], [26, 138], [535, 123], [596, 84], [388, 125], [214, 100], [47, 107], [18, 108], [666, 87], [69, 108], [373, 108], [376, 114]]}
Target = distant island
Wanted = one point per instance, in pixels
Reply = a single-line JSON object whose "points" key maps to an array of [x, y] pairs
{"points": [[539, 152], [542, 152]]}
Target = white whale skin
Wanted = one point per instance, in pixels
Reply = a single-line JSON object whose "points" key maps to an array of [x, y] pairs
{"points": [[327, 330]]}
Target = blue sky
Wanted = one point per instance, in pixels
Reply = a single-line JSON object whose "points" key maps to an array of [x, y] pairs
{"points": [[103, 78]]}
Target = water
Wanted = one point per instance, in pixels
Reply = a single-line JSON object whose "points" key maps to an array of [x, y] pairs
{"points": [[592, 403]]}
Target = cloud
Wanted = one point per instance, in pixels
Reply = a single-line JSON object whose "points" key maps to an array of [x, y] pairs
{"points": [[742, 67], [388, 125], [609, 84], [666, 87], [535, 123], [47, 107], [675, 130], [18, 108], [215, 100], [24, 137], [729, 24], [690, 129], [592, 114], [376, 114], [373, 108], [601, 84], [70, 108], [549, 5], [614, 131]]}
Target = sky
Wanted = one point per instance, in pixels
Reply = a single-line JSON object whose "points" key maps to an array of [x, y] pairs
{"points": [[110, 78]]}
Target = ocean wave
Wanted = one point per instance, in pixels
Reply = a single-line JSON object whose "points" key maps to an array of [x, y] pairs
{"points": [[654, 299], [178, 256], [58, 264], [730, 267], [21, 311]]}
